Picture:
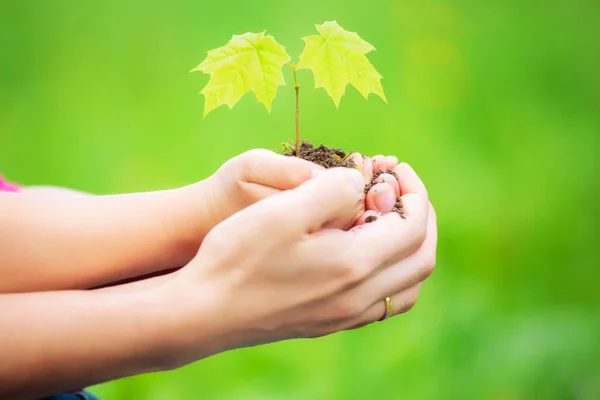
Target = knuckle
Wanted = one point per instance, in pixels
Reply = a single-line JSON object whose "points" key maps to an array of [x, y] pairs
{"points": [[353, 271], [410, 304], [271, 222], [324, 331], [425, 194], [250, 159], [418, 233], [349, 274], [341, 184], [408, 300], [346, 309], [427, 265], [253, 154], [432, 212], [308, 333]]}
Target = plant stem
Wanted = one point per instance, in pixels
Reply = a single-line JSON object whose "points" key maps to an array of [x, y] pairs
{"points": [[297, 88]]}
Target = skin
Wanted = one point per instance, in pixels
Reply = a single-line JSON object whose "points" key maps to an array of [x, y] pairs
{"points": [[325, 279], [145, 232]]}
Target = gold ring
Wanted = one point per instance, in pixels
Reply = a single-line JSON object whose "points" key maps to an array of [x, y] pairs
{"points": [[388, 309]]}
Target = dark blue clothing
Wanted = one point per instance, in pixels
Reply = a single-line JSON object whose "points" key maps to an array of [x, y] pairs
{"points": [[72, 396]]}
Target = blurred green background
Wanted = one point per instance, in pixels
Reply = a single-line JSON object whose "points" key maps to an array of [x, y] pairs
{"points": [[495, 103]]}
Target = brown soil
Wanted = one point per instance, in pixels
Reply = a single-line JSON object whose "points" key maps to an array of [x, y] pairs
{"points": [[332, 158], [323, 156]]}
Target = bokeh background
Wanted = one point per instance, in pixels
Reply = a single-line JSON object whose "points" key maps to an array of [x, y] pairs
{"points": [[495, 103]]}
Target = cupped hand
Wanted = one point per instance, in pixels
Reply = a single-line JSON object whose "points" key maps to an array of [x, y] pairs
{"points": [[271, 272], [255, 175], [251, 177]]}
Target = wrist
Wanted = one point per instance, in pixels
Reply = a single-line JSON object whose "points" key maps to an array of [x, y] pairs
{"points": [[192, 323], [190, 218]]}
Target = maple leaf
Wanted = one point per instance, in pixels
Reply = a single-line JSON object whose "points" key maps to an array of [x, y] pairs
{"points": [[338, 58], [249, 62]]}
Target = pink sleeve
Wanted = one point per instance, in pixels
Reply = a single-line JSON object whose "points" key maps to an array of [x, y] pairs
{"points": [[7, 186]]}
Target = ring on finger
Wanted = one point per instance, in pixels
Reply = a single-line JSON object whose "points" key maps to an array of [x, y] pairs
{"points": [[388, 309]]}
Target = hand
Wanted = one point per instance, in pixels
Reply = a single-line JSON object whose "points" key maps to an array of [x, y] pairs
{"points": [[405, 297], [246, 179], [270, 272], [255, 175]]}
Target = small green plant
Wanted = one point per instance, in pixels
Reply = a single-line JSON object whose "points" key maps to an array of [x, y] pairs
{"points": [[254, 62]]}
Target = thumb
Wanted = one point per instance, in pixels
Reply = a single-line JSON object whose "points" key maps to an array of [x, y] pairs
{"points": [[276, 171], [331, 194]]}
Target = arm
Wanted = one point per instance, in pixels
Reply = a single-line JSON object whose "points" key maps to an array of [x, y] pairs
{"points": [[223, 299], [66, 242], [52, 239], [57, 341]]}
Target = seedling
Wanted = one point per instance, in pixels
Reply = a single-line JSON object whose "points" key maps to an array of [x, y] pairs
{"points": [[254, 62]]}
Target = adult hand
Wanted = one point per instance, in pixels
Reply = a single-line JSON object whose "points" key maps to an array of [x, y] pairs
{"points": [[270, 272], [257, 174]]}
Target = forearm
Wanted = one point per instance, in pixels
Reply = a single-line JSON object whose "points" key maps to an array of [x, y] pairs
{"points": [[49, 192], [142, 284], [73, 242], [58, 341]]}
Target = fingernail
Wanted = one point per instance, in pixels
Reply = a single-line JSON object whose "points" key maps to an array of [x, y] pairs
{"points": [[383, 198], [403, 164], [391, 161], [383, 187], [358, 160], [390, 180], [379, 163]]}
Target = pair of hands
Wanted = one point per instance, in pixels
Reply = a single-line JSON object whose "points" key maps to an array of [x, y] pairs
{"points": [[288, 254], [283, 253], [257, 174]]}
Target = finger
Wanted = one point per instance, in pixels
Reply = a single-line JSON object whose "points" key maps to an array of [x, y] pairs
{"points": [[381, 198], [367, 248], [405, 273], [276, 171], [358, 160], [390, 239], [379, 163], [408, 180], [391, 162], [331, 195], [390, 180], [402, 302], [347, 222], [364, 218], [258, 192], [368, 169]]}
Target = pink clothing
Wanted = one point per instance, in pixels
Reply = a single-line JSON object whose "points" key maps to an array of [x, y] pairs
{"points": [[6, 186]]}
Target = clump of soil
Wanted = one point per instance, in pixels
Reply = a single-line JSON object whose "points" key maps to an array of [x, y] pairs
{"points": [[323, 156], [332, 158], [370, 219]]}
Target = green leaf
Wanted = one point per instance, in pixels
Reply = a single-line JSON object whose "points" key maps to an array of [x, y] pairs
{"points": [[249, 62], [337, 58]]}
